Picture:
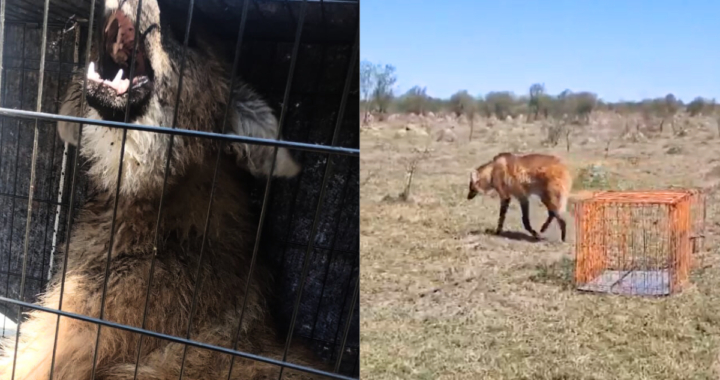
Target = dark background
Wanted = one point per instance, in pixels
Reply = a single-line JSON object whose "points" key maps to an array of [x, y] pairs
{"points": [[323, 59]]}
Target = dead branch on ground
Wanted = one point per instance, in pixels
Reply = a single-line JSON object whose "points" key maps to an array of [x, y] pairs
{"points": [[410, 172]]}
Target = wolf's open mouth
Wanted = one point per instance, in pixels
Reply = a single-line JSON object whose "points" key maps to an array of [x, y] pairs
{"points": [[113, 69]]}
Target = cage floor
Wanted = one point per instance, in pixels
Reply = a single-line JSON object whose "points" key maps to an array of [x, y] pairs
{"points": [[639, 282]]}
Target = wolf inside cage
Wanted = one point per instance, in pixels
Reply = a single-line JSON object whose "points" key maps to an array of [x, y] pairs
{"points": [[164, 253]]}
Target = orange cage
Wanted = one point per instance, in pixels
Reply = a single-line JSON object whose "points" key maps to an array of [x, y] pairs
{"points": [[637, 242]]}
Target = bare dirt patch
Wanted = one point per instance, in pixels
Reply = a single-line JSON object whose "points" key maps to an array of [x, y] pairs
{"points": [[442, 299]]}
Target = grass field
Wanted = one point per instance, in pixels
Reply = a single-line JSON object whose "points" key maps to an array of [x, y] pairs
{"points": [[443, 300]]}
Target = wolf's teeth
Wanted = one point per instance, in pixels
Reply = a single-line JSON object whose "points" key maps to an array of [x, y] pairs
{"points": [[92, 74], [118, 77]]}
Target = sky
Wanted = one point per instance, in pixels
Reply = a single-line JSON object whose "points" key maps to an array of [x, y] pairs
{"points": [[618, 49]]}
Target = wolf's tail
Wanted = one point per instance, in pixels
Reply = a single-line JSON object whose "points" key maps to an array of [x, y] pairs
{"points": [[567, 184]]}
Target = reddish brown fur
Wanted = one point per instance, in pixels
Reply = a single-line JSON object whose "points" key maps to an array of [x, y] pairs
{"points": [[512, 176], [214, 323]]}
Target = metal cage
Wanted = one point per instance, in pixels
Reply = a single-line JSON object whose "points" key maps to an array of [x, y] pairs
{"points": [[301, 55], [637, 242]]}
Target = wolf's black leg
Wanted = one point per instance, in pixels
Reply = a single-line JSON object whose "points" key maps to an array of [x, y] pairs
{"points": [[525, 208], [504, 204]]}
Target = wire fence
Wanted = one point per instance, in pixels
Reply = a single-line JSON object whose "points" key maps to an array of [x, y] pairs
{"points": [[309, 226]]}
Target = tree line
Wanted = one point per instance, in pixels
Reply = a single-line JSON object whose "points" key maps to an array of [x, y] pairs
{"points": [[378, 97]]}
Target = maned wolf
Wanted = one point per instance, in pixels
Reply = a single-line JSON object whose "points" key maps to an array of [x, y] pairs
{"points": [[545, 176], [225, 268]]}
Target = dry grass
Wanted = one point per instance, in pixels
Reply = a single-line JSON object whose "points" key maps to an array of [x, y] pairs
{"points": [[442, 300]]}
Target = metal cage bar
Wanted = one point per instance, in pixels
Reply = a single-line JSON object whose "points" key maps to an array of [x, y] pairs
{"points": [[33, 165], [73, 184], [175, 339], [317, 148], [117, 188], [323, 187], [12, 219], [41, 196], [162, 192], [253, 259], [2, 37]]}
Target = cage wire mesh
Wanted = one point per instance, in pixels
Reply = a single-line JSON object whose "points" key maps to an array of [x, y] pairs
{"points": [[303, 216], [637, 242]]}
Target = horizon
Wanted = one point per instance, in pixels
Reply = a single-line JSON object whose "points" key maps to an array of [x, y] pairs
{"points": [[604, 48]]}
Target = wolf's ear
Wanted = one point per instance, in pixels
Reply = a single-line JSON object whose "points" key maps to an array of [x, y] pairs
{"points": [[473, 176], [253, 117]]}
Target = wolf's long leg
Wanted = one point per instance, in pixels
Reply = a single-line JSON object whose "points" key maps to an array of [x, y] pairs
{"points": [[563, 226], [551, 216], [504, 204], [561, 222], [525, 208], [553, 213]]}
